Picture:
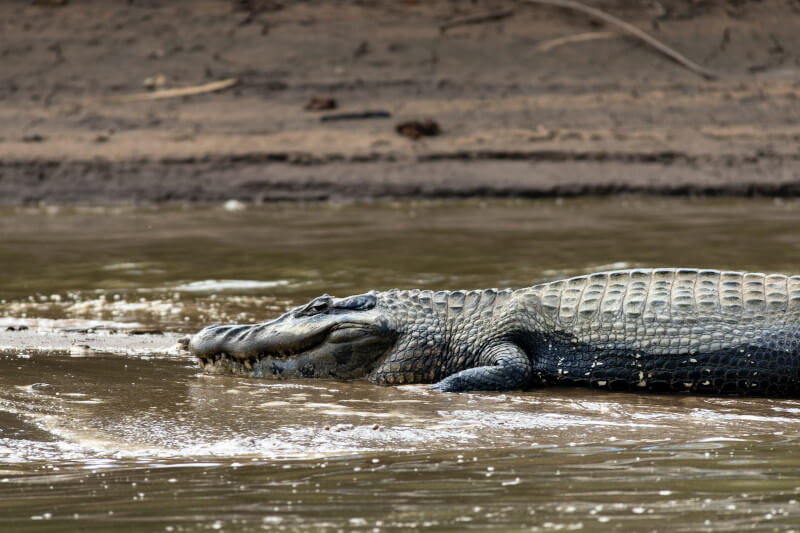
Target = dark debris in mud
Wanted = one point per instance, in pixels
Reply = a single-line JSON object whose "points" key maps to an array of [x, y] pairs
{"points": [[414, 129], [321, 102]]}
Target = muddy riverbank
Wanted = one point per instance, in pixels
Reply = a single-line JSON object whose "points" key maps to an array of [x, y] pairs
{"points": [[537, 101]]}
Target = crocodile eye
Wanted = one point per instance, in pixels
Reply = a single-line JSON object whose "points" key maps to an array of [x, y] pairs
{"points": [[319, 306], [316, 306]]}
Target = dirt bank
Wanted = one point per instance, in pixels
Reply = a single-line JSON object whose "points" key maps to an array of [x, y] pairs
{"points": [[531, 101]]}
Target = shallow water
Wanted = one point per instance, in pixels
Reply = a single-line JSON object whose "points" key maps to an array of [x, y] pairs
{"points": [[149, 443]]}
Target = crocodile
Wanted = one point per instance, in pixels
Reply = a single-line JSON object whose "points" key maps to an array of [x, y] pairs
{"points": [[661, 330]]}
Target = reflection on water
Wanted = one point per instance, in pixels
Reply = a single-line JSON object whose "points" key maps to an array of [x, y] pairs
{"points": [[149, 443]]}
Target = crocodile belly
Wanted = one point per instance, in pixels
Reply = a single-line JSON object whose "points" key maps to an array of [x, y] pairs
{"points": [[751, 361]]}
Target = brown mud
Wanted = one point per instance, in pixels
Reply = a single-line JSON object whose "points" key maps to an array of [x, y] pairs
{"points": [[531, 101]]}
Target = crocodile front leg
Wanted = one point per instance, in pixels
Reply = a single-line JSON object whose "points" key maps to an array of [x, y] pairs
{"points": [[507, 368]]}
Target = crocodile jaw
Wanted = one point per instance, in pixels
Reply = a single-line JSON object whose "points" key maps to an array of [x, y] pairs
{"points": [[342, 346]]}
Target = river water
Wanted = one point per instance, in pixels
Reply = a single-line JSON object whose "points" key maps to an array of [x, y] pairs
{"points": [[145, 442]]}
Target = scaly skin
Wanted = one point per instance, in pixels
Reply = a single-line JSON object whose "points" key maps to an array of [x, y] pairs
{"points": [[699, 331]]}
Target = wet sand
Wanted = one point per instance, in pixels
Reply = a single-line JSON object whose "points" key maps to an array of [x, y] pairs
{"points": [[88, 342], [520, 114]]}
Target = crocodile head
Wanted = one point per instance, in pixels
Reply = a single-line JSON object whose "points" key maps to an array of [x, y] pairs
{"points": [[328, 337]]}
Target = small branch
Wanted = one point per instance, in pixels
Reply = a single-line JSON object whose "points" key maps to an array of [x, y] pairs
{"points": [[357, 115], [548, 45], [632, 30], [180, 91], [477, 19]]}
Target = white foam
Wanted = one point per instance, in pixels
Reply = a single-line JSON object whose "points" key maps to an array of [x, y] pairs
{"points": [[66, 323], [209, 285]]}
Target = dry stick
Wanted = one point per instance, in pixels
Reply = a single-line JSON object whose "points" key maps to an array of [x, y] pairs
{"points": [[633, 30], [545, 46], [180, 91], [478, 19]]}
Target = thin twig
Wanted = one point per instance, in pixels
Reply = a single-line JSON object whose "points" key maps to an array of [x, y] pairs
{"points": [[357, 115], [477, 19], [180, 91], [548, 45], [632, 30]]}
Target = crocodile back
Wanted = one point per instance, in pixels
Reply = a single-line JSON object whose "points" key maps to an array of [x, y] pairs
{"points": [[650, 293]]}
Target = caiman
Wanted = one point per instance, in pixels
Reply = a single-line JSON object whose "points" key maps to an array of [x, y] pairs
{"points": [[663, 330]]}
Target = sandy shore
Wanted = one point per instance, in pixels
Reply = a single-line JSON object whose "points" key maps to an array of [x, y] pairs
{"points": [[537, 101]]}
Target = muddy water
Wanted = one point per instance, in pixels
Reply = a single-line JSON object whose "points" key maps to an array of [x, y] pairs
{"points": [[148, 443]]}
